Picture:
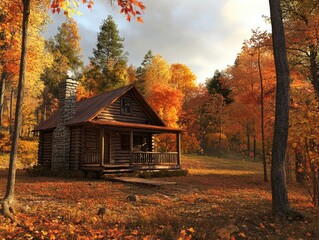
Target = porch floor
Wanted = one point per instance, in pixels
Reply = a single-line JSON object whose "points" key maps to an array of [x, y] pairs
{"points": [[143, 181], [126, 168]]}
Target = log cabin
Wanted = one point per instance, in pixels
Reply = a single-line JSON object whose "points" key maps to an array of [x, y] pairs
{"points": [[111, 132]]}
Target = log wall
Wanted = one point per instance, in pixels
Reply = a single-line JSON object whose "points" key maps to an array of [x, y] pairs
{"points": [[76, 148], [118, 156], [40, 149], [91, 145], [45, 149]]}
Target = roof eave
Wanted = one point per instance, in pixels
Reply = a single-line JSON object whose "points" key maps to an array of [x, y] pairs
{"points": [[153, 128]]}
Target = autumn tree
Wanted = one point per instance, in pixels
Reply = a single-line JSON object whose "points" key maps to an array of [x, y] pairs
{"points": [[215, 114], [257, 42], [301, 24], [109, 63], [131, 74], [167, 101], [66, 51], [10, 26], [193, 115], [8, 203], [37, 59], [303, 125], [183, 78], [157, 72]]}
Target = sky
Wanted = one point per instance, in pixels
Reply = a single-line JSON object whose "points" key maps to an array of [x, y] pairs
{"points": [[205, 35]]}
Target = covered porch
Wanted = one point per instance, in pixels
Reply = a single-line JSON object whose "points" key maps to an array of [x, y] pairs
{"points": [[128, 147]]}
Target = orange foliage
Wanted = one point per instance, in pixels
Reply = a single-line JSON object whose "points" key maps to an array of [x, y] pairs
{"points": [[182, 78], [82, 93], [131, 8], [245, 84], [167, 101], [191, 119]]}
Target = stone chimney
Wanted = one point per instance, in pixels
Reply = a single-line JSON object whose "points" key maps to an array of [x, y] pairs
{"points": [[61, 135]]}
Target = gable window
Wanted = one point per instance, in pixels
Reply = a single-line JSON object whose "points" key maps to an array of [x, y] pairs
{"points": [[126, 106]]}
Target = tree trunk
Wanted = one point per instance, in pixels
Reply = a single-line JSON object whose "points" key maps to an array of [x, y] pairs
{"points": [[11, 111], [2, 90], [262, 113], [255, 147], [220, 135], [201, 130], [248, 140], [314, 68], [9, 200], [280, 204]]}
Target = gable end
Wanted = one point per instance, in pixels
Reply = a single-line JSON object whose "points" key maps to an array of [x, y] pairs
{"points": [[128, 108]]}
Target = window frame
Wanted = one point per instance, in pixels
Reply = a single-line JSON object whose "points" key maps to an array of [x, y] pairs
{"points": [[126, 110]]}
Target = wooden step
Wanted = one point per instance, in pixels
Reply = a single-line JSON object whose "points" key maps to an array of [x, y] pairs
{"points": [[110, 170], [116, 166]]}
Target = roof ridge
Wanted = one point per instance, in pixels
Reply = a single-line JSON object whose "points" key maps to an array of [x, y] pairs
{"points": [[107, 92]]}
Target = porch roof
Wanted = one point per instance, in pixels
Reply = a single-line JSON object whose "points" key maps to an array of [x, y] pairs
{"points": [[137, 126]]}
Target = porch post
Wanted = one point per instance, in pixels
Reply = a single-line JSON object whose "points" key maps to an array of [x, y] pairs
{"points": [[178, 148], [131, 146], [102, 145]]}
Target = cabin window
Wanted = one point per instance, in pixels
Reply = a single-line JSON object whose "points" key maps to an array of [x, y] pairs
{"points": [[126, 106], [140, 143], [125, 142]]}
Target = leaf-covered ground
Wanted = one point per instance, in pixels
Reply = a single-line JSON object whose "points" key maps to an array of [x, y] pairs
{"points": [[219, 198]]}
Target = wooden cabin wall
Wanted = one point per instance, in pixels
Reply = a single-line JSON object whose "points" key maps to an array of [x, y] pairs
{"points": [[40, 149], [92, 139], [45, 149], [113, 112], [75, 148], [117, 155]]}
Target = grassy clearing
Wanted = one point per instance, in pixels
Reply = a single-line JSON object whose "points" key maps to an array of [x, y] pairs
{"points": [[219, 198], [203, 165]]}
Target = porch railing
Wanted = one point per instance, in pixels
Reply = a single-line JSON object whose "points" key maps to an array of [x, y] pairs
{"points": [[91, 158], [139, 157], [154, 158]]}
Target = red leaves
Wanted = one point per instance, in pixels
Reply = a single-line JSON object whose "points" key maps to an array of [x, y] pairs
{"points": [[129, 8]]}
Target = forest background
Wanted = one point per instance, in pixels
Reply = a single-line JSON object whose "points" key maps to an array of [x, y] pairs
{"points": [[231, 114]]}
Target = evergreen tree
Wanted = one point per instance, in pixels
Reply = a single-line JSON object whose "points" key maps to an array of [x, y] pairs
{"points": [[140, 72], [214, 86], [108, 66]]}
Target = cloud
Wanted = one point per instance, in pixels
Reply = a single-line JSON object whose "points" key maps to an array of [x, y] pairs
{"points": [[204, 35]]}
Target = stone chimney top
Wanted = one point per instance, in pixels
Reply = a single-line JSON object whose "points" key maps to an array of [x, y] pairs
{"points": [[71, 74], [67, 99]]}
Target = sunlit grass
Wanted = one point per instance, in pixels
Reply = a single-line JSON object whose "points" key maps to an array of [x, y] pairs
{"points": [[204, 165], [219, 172]]}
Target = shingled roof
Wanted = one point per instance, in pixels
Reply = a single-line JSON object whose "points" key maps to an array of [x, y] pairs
{"points": [[87, 109]]}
